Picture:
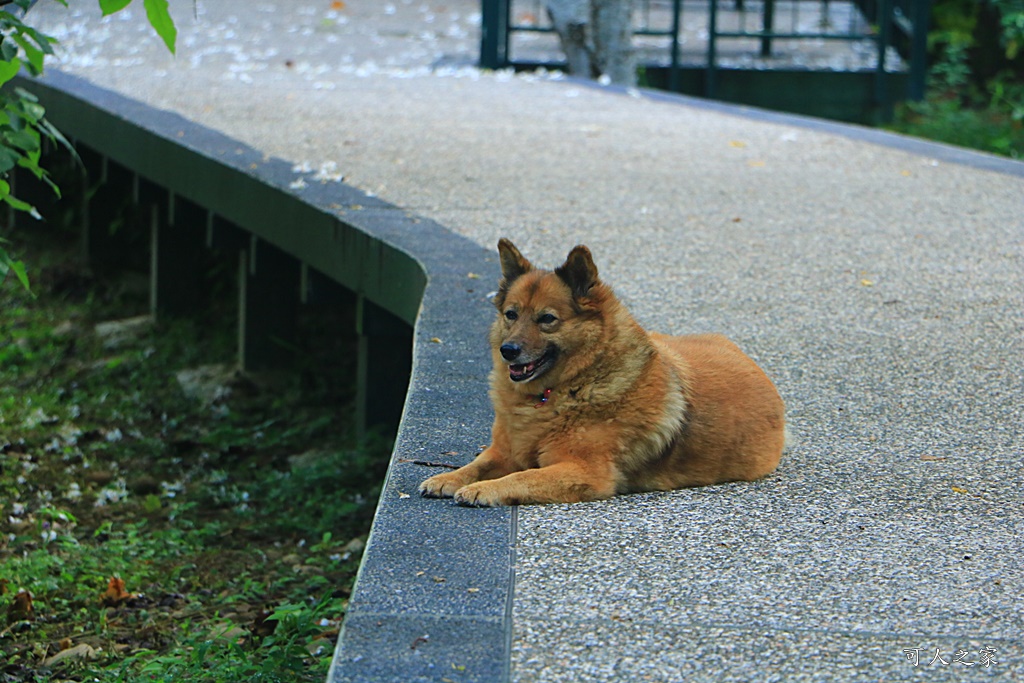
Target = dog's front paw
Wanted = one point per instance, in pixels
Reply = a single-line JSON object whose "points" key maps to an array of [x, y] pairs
{"points": [[441, 486], [481, 494]]}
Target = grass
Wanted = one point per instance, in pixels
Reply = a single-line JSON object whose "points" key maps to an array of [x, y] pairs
{"points": [[149, 536], [943, 117]]}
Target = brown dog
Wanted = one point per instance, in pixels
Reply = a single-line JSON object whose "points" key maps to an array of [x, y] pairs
{"points": [[587, 404]]}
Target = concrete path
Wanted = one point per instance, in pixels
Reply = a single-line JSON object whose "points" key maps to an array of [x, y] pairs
{"points": [[879, 281]]}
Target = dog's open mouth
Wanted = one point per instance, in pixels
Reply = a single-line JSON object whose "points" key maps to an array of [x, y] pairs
{"points": [[524, 372]]}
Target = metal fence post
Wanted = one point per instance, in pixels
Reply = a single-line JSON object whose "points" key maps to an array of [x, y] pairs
{"points": [[494, 22], [710, 84], [920, 14], [885, 21], [768, 25], [674, 81]]}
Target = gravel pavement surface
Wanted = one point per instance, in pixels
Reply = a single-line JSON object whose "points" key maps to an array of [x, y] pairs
{"points": [[880, 285]]}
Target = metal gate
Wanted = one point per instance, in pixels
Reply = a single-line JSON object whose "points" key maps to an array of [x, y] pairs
{"points": [[696, 46]]}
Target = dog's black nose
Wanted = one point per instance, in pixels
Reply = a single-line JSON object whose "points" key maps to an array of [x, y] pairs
{"points": [[510, 351]]}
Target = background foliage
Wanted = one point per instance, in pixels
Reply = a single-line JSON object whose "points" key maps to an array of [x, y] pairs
{"points": [[976, 83], [23, 125], [151, 532]]}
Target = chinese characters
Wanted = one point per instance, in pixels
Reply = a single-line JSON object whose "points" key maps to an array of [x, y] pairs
{"points": [[986, 657]]}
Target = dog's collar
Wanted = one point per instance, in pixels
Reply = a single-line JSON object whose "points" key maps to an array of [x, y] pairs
{"points": [[543, 398]]}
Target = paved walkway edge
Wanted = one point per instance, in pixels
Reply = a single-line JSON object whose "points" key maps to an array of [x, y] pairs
{"points": [[875, 136], [435, 586]]}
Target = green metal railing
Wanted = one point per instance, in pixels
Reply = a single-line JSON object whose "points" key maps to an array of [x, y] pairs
{"points": [[899, 25], [498, 27], [890, 25], [194, 191]]}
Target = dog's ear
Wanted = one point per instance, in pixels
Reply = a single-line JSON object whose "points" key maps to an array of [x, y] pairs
{"points": [[513, 264], [578, 271]]}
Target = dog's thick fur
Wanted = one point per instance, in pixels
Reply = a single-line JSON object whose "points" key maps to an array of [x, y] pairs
{"points": [[588, 405]]}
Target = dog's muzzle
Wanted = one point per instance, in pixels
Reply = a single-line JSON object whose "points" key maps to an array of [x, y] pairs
{"points": [[523, 372]]}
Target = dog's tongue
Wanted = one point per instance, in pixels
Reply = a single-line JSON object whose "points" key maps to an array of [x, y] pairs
{"points": [[520, 372]]}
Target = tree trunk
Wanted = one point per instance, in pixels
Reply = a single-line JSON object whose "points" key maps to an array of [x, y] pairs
{"points": [[612, 31], [596, 36], [570, 19]]}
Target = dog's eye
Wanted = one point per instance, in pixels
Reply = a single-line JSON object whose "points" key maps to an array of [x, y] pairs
{"points": [[546, 319], [511, 315]]}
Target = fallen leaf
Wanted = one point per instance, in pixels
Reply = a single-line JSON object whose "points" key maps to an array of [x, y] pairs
{"points": [[227, 632], [403, 495], [439, 579], [115, 593], [472, 590], [21, 608], [738, 144], [337, 5], [957, 489], [436, 340], [473, 276], [78, 653], [354, 546], [756, 163], [932, 458], [868, 283], [263, 625]]}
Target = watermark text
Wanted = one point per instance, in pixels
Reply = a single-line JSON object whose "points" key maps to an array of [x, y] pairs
{"points": [[919, 656]]}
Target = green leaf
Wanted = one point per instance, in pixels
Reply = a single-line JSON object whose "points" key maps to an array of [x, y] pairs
{"points": [[56, 136], [19, 270], [30, 162], [7, 264], [110, 6], [9, 69], [27, 105], [25, 140], [19, 205], [34, 54], [160, 19], [41, 39], [26, 95], [6, 196], [8, 160], [8, 50]]}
